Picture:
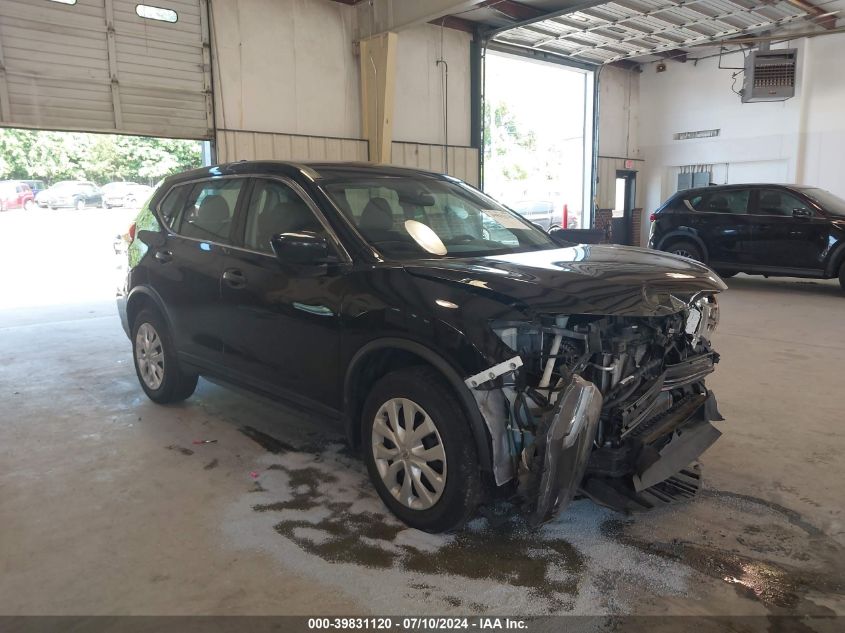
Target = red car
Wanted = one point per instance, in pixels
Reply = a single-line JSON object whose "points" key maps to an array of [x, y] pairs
{"points": [[15, 194]]}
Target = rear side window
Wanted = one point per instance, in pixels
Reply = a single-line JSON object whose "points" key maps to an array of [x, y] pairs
{"points": [[173, 203], [733, 201], [206, 212]]}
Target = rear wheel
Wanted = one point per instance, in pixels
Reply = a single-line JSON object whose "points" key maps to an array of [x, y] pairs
{"points": [[842, 275], [419, 450], [29, 205], [156, 364], [80, 204], [686, 249]]}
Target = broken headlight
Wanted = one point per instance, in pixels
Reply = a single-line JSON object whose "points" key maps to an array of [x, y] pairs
{"points": [[703, 318]]}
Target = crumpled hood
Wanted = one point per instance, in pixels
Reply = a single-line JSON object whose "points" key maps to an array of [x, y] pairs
{"points": [[581, 279]]}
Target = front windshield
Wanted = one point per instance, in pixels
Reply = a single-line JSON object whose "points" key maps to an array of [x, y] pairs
{"points": [[826, 200], [406, 218]]}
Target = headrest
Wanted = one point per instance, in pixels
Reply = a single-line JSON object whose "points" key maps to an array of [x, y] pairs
{"points": [[213, 208], [377, 215]]}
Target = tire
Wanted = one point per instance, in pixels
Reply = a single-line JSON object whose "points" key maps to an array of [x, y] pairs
{"points": [[29, 205], [80, 204], [685, 248], [842, 276], [437, 407], [151, 338]]}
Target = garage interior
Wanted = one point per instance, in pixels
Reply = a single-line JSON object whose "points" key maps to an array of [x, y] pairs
{"points": [[112, 505]]}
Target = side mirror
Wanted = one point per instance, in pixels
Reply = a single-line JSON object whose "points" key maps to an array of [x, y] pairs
{"points": [[559, 236], [302, 248], [802, 213]]}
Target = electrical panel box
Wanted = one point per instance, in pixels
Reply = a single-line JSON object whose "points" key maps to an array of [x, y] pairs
{"points": [[770, 75]]}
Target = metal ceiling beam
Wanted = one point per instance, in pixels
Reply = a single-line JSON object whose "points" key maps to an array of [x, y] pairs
{"points": [[821, 17], [580, 6], [515, 11], [716, 20], [666, 33], [382, 16]]}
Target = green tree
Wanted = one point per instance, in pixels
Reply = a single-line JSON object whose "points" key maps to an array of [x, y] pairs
{"points": [[101, 158]]}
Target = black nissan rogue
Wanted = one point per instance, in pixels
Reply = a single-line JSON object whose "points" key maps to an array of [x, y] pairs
{"points": [[772, 230], [468, 354]]}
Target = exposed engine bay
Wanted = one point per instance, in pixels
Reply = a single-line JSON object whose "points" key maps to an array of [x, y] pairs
{"points": [[611, 407]]}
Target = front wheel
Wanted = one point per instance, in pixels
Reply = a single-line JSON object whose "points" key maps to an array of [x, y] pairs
{"points": [[80, 204], [419, 450], [842, 276], [687, 249], [156, 364]]}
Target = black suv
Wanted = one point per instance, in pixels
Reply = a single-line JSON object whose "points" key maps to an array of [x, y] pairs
{"points": [[777, 230], [463, 349]]}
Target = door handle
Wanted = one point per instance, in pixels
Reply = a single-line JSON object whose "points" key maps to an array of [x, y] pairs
{"points": [[234, 277], [163, 256]]}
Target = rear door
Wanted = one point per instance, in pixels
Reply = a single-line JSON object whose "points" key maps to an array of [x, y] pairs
{"points": [[787, 233], [721, 220], [282, 322], [186, 270]]}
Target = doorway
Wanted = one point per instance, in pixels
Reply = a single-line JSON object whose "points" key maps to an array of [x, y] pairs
{"points": [[622, 218]]}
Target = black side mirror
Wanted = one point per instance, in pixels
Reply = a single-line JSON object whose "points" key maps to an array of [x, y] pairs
{"points": [[559, 236], [302, 248], [802, 213]]}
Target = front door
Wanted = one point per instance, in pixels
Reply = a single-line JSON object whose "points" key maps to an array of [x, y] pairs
{"points": [[786, 232], [282, 322]]}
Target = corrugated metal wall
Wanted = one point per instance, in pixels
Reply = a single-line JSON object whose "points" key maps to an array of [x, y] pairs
{"points": [[98, 66], [463, 161], [241, 145]]}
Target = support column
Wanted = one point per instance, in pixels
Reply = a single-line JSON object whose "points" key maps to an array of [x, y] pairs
{"points": [[378, 81]]}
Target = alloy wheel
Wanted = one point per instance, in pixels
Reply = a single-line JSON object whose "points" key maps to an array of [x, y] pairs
{"points": [[409, 454], [682, 252], [150, 356]]}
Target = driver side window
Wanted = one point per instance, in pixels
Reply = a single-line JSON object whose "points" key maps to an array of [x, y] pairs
{"points": [[276, 208], [777, 202]]}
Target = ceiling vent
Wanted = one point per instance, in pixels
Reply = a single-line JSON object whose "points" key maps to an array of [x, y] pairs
{"points": [[770, 75]]}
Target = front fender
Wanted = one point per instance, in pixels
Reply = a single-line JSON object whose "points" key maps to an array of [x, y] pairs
{"points": [[446, 369]]}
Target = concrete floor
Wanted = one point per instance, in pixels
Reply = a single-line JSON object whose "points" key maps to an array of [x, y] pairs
{"points": [[108, 507]]}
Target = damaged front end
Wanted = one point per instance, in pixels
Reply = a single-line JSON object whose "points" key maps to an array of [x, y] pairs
{"points": [[613, 407]]}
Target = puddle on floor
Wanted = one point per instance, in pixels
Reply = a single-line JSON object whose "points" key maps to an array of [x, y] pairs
{"points": [[318, 514]]}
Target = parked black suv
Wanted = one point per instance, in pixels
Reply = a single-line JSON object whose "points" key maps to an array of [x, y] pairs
{"points": [[463, 349], [773, 230]]}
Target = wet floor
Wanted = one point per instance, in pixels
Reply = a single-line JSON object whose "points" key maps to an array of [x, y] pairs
{"points": [[316, 511]]}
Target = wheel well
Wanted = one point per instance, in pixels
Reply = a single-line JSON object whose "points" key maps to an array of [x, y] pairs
{"points": [[137, 303], [367, 372], [669, 241]]}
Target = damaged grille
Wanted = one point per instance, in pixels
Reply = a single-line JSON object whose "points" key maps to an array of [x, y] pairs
{"points": [[646, 374]]}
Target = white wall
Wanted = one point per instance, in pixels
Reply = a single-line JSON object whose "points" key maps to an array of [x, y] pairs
{"points": [[418, 115], [288, 67], [798, 140]]}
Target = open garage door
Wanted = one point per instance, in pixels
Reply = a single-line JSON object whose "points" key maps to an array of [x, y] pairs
{"points": [[106, 66]]}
